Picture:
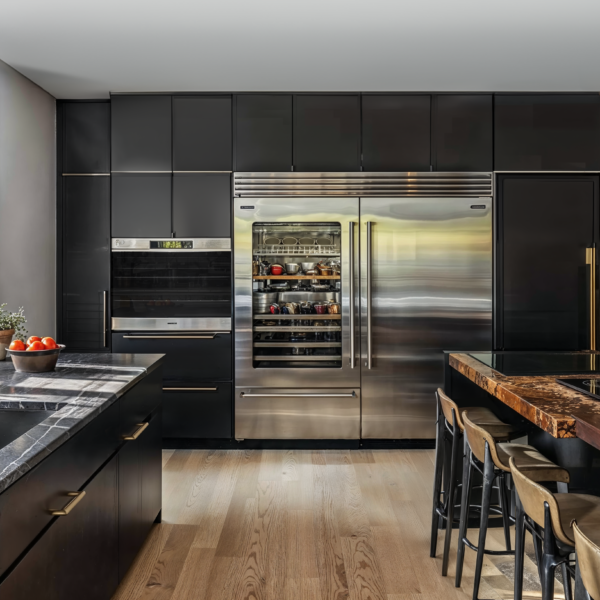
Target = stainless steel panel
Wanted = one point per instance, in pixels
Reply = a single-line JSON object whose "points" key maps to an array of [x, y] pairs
{"points": [[312, 296], [309, 413], [174, 324], [431, 281], [463, 185], [143, 244], [288, 210]]}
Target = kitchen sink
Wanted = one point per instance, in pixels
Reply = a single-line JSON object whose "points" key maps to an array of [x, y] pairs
{"points": [[14, 423]]}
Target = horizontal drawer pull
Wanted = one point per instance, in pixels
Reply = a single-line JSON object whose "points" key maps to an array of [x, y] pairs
{"points": [[171, 337], [189, 389], [136, 435], [76, 499], [351, 395]]}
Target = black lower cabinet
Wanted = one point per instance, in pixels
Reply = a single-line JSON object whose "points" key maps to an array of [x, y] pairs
{"points": [[76, 557], [140, 482], [203, 411]]}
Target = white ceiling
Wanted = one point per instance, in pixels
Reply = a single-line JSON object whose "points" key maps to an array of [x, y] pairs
{"points": [[86, 49]]}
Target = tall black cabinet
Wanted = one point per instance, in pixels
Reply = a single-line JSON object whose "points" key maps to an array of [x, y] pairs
{"points": [[83, 225], [545, 225]]}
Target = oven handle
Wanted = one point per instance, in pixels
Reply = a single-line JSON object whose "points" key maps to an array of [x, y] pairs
{"points": [[170, 337], [351, 395]]}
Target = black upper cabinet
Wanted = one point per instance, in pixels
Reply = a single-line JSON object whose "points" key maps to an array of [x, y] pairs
{"points": [[202, 205], [396, 133], [86, 137], [462, 136], [202, 133], [263, 133], [141, 133], [547, 132], [327, 133], [86, 261], [141, 205]]}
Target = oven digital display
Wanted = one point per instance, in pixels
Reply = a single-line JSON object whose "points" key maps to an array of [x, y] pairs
{"points": [[172, 245]]}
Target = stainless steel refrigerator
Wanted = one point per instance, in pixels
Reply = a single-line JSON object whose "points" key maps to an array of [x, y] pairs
{"points": [[415, 279]]}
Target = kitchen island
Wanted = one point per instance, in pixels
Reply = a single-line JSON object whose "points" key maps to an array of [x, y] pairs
{"points": [[80, 473], [563, 423]]}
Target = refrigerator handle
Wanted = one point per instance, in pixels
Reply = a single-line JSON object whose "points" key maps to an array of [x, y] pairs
{"points": [[369, 362], [352, 332], [590, 259]]}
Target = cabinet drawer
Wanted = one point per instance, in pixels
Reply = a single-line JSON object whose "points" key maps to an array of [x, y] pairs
{"points": [[186, 359], [25, 506], [139, 402], [198, 412]]}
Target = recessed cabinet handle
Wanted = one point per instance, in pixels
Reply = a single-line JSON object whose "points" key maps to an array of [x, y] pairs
{"points": [[142, 427], [76, 499], [189, 389]]}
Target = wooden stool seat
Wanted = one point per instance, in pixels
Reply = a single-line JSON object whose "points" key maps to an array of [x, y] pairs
{"points": [[527, 458], [584, 509]]}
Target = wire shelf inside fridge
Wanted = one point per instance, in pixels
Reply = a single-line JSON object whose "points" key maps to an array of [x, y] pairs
{"points": [[295, 250]]}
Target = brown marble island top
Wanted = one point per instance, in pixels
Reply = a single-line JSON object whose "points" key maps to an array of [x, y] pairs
{"points": [[554, 408]]}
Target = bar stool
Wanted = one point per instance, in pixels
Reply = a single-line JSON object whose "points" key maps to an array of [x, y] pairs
{"points": [[450, 433], [588, 562], [492, 460], [553, 514]]}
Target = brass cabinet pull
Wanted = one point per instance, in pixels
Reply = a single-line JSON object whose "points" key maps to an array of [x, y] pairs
{"points": [[136, 435], [76, 499], [189, 389], [590, 259], [171, 337]]}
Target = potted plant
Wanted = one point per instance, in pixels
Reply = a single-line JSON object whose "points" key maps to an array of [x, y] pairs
{"points": [[11, 324]]}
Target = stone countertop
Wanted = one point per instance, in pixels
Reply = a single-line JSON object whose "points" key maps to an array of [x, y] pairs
{"points": [[79, 389], [549, 405]]}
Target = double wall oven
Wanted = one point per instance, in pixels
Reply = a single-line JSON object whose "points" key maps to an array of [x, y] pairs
{"points": [[173, 297], [348, 287]]}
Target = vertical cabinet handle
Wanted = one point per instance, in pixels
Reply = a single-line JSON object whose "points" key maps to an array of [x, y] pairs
{"points": [[351, 250], [369, 363], [590, 260], [105, 316]]}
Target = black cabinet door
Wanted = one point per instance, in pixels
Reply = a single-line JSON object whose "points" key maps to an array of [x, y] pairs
{"points": [[462, 135], [263, 133], [202, 205], [141, 205], [85, 137], [150, 448], [202, 133], [396, 133], [546, 224], [203, 412], [85, 262], [141, 133], [547, 132], [326, 133], [77, 556]]}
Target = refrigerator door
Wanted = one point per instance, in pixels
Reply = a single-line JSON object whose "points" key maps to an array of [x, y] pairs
{"points": [[426, 286]]}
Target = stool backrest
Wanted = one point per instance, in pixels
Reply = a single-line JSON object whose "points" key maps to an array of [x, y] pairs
{"points": [[533, 496], [477, 438], [447, 405], [588, 556]]}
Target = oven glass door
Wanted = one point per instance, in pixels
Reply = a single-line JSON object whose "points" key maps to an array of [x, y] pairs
{"points": [[171, 284]]}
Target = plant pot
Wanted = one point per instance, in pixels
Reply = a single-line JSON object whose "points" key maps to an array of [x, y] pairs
{"points": [[6, 336]]}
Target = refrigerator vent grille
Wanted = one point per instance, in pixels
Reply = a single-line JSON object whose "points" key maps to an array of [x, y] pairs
{"points": [[430, 185]]}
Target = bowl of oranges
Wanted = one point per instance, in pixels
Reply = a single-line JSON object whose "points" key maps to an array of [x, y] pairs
{"points": [[36, 355]]}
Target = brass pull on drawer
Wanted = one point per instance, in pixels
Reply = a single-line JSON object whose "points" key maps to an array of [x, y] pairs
{"points": [[76, 499], [134, 436]]}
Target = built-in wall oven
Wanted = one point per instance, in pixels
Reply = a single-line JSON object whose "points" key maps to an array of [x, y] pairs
{"points": [[173, 297]]}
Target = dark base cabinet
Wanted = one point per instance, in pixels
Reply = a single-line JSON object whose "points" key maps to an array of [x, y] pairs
{"points": [[204, 412], [116, 461]]}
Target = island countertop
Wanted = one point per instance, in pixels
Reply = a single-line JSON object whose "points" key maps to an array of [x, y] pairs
{"points": [[80, 388], [554, 408]]}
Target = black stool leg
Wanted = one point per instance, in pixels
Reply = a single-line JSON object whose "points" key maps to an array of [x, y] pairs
{"points": [[437, 481], [465, 501], [451, 494], [505, 508], [486, 500], [566, 576], [548, 557], [519, 549]]}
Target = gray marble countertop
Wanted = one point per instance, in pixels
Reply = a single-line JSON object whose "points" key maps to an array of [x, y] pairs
{"points": [[79, 389]]}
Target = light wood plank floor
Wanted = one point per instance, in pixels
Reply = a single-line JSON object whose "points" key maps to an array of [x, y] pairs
{"points": [[296, 524]]}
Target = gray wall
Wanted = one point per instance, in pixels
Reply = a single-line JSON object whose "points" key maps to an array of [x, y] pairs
{"points": [[28, 200]]}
